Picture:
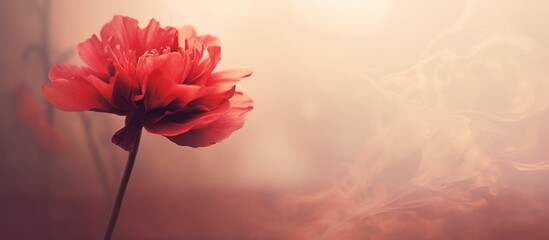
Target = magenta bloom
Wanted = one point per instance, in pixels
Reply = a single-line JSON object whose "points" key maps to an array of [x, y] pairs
{"points": [[161, 79]]}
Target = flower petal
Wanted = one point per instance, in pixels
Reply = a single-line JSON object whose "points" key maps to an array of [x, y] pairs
{"points": [[121, 30], [182, 122], [162, 77], [124, 90], [208, 41], [92, 52], [155, 37], [70, 71], [220, 86], [157, 86], [231, 76], [161, 92], [220, 129], [186, 33], [171, 65], [174, 100], [200, 74], [126, 137], [211, 98], [78, 94], [225, 80]]}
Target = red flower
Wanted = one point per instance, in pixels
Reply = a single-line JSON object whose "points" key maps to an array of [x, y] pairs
{"points": [[159, 78]]}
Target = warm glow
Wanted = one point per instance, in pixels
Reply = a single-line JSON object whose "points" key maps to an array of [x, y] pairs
{"points": [[352, 16], [372, 120]]}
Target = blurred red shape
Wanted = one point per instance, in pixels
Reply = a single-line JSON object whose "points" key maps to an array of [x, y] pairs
{"points": [[32, 114]]}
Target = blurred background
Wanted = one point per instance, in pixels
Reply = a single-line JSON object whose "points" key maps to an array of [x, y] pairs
{"points": [[373, 119]]}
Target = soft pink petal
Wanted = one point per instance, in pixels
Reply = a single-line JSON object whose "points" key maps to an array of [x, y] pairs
{"points": [[92, 52], [211, 98], [70, 71], [186, 32], [162, 77], [121, 59], [189, 39], [189, 62], [155, 37], [182, 95], [171, 65], [220, 86], [224, 80], [175, 100], [193, 57], [161, 91], [77, 94], [220, 129], [121, 30], [105, 88], [157, 87], [208, 41], [200, 74], [231, 76], [182, 122]]}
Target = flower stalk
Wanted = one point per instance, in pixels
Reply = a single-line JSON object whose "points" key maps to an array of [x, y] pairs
{"points": [[161, 79], [122, 187]]}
